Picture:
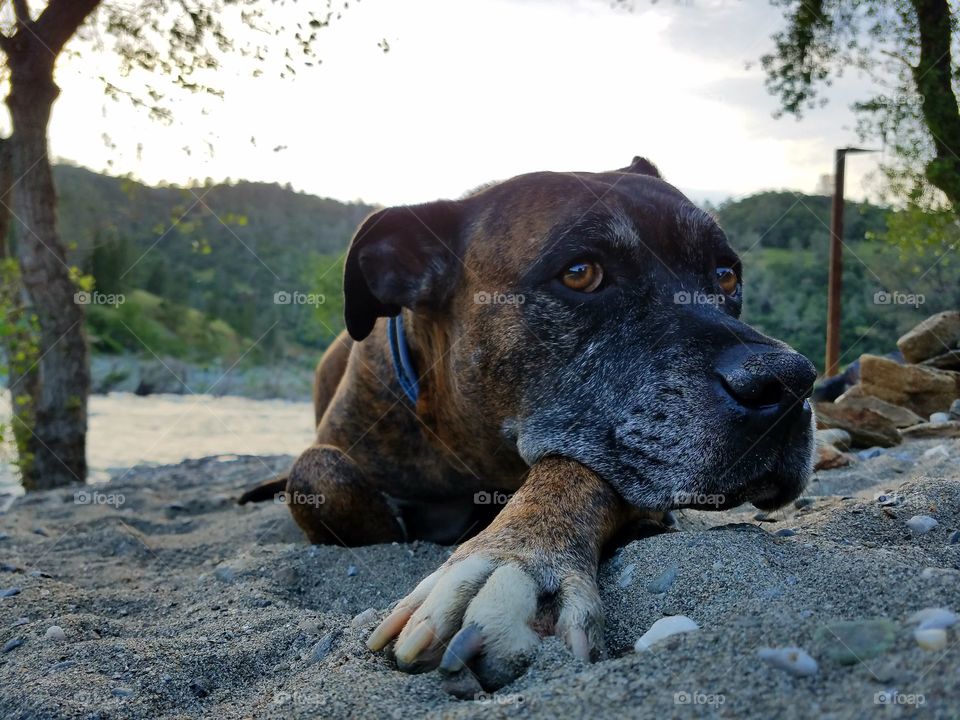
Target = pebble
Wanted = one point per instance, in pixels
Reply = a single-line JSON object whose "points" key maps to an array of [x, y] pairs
{"points": [[794, 660], [4, 536], [785, 532], [933, 639], [939, 417], [225, 574], [324, 645], [40, 531], [921, 524], [803, 502], [9, 592], [889, 499], [352, 571], [626, 575], [55, 633], [851, 641], [664, 628], [764, 517], [664, 581], [122, 692], [199, 687], [64, 665], [954, 537], [12, 644], [935, 618], [955, 409], [938, 451], [8, 567], [870, 453], [364, 618]]}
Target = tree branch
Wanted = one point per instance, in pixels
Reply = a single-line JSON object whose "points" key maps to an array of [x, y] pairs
{"points": [[22, 12], [60, 20]]}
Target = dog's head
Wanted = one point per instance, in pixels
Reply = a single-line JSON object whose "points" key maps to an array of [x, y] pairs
{"points": [[595, 316]]}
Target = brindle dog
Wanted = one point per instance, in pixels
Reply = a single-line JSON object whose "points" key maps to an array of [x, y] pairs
{"points": [[576, 342]]}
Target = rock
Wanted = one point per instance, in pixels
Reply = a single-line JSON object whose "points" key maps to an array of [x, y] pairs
{"points": [[829, 458], [889, 499], [870, 453], [929, 430], [938, 451], [55, 633], [840, 439], [352, 571], [955, 410], [852, 641], [949, 360], [935, 618], [785, 532], [199, 688], [866, 427], [324, 646], [939, 417], [931, 337], [921, 389], [933, 639], [225, 574], [921, 524], [954, 537], [664, 581], [794, 660], [803, 502], [664, 628], [123, 692], [856, 399], [364, 618], [12, 644], [9, 592], [626, 575]]}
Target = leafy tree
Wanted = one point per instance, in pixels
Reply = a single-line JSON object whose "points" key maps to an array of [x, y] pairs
{"points": [[182, 40], [906, 47]]}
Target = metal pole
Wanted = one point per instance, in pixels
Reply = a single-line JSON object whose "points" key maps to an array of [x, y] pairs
{"points": [[832, 361]]}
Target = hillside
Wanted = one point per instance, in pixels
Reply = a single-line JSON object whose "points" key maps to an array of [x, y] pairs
{"points": [[200, 269]]}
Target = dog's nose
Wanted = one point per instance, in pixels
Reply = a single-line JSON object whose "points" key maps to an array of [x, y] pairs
{"points": [[766, 381]]}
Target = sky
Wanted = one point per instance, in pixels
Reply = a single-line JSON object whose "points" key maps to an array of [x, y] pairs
{"points": [[478, 90]]}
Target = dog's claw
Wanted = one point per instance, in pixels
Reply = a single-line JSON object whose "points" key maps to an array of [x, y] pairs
{"points": [[466, 644], [579, 644], [419, 639], [389, 628]]}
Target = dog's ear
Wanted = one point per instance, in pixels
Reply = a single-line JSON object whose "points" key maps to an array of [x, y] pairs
{"points": [[408, 256], [641, 166]]}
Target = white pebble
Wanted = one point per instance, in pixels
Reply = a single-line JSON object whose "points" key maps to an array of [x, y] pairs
{"points": [[55, 633], [794, 660], [932, 639], [933, 618], [664, 628], [938, 451], [939, 417], [367, 616], [921, 524]]}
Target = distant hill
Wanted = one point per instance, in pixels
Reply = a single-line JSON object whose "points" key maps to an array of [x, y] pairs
{"points": [[200, 268]]}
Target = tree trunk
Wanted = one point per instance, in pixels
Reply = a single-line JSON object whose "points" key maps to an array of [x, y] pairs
{"points": [[60, 422], [23, 378]]}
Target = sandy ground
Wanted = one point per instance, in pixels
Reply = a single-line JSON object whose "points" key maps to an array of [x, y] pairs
{"points": [[175, 602]]}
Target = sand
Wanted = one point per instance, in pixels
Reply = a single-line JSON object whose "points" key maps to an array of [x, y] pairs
{"points": [[175, 602]]}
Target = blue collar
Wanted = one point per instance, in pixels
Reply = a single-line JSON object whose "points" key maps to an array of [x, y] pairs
{"points": [[402, 364]]}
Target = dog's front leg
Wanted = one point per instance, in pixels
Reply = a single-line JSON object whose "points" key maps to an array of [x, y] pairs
{"points": [[532, 572]]}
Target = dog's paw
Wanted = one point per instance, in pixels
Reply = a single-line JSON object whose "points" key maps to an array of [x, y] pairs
{"points": [[487, 612]]}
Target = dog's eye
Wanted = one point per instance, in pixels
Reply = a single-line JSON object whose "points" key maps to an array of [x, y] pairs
{"points": [[727, 280], [584, 276]]}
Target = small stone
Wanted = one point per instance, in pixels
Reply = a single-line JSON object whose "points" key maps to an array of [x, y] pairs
{"points": [[55, 633], [935, 618], [840, 439], [12, 644], [664, 581], [199, 688], [794, 660], [626, 575], [64, 665], [954, 415], [9, 592], [352, 571], [954, 537], [324, 646], [364, 618], [785, 532], [9, 567], [921, 524], [664, 628], [889, 499], [122, 692], [938, 451], [933, 639], [40, 574], [851, 641], [40, 531], [940, 417], [870, 453], [4, 536], [803, 502], [764, 517], [225, 574]]}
